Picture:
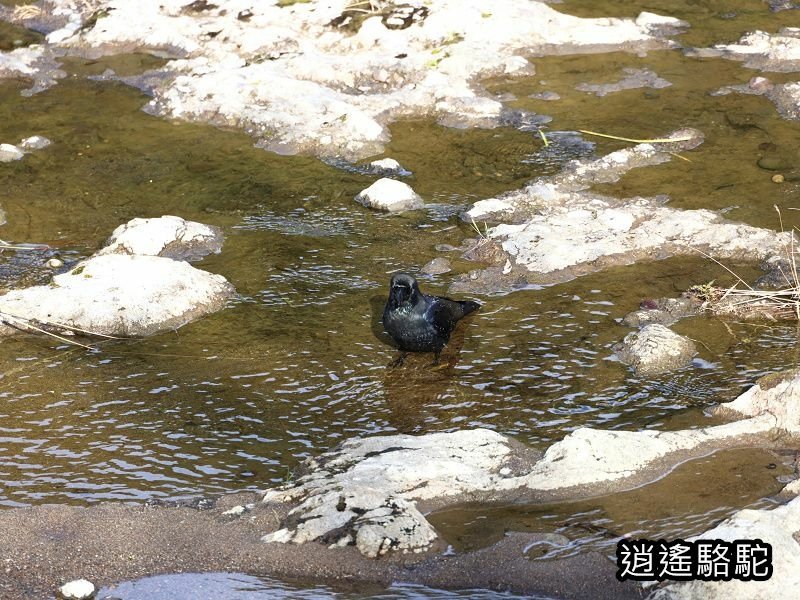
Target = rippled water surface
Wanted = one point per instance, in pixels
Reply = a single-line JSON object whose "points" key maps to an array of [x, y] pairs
{"points": [[237, 586], [297, 363]]}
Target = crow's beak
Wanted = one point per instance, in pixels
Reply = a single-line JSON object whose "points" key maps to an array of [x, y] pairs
{"points": [[399, 294]]}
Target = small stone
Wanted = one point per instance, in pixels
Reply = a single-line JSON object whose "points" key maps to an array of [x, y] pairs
{"points": [[436, 267], [778, 178], [547, 96], [55, 263], [387, 166], [235, 511], [9, 152], [79, 589], [389, 195], [35, 142], [771, 163]]}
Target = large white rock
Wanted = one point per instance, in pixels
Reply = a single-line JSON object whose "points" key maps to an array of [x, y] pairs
{"points": [[389, 195], [375, 484], [122, 294], [556, 228]]}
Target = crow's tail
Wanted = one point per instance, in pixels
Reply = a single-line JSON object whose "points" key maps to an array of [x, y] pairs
{"points": [[468, 306]]}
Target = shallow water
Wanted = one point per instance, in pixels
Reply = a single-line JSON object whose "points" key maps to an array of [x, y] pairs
{"points": [[237, 586], [296, 363]]}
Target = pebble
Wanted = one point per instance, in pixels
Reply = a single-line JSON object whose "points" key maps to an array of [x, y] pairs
{"points": [[55, 263], [79, 589], [778, 178]]}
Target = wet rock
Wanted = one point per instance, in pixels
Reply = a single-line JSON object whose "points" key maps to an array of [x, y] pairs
{"points": [[547, 96], [779, 5], [35, 142], [777, 394], [556, 229], [655, 349], [122, 294], [772, 163], [389, 195], [335, 89], [37, 62], [786, 98], [437, 266], [167, 236], [9, 152], [779, 274], [664, 311], [485, 250], [634, 78], [387, 166], [761, 50], [494, 279], [393, 480], [79, 589], [367, 490]]}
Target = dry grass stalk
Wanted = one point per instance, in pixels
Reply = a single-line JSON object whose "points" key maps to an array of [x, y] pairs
{"points": [[750, 303]]}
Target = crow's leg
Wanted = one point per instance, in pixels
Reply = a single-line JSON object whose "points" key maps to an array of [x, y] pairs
{"points": [[398, 362]]}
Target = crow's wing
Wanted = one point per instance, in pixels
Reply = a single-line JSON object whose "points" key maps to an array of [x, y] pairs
{"points": [[443, 314]]}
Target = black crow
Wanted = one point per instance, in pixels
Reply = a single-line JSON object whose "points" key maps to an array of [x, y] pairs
{"points": [[418, 322]]}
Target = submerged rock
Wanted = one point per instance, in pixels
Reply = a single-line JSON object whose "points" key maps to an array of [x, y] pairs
{"points": [[655, 349], [664, 311], [634, 79], [121, 294], [35, 142], [437, 266], [10, 152], [389, 195]]}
